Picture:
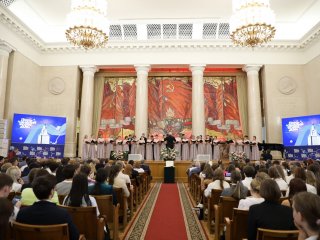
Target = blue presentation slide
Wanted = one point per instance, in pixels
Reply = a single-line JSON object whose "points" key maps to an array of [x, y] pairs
{"points": [[35, 129], [301, 131]]}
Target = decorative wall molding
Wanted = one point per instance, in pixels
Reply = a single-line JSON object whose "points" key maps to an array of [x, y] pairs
{"points": [[119, 43]]}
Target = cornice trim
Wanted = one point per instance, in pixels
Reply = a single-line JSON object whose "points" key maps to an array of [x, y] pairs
{"points": [[28, 36]]}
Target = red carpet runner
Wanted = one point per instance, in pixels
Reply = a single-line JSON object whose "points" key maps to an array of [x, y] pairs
{"points": [[167, 218]]}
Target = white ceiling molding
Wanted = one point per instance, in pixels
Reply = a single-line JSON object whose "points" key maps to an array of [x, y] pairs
{"points": [[168, 35]]}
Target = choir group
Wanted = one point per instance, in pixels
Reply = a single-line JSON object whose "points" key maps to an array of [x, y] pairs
{"points": [[187, 148]]}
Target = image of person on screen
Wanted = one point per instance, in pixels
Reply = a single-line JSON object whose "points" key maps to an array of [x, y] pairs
{"points": [[44, 137], [314, 137], [170, 140]]}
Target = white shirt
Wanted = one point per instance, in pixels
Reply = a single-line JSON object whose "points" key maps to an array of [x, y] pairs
{"points": [[120, 183], [311, 189], [215, 185], [16, 187], [139, 170], [247, 181], [125, 177], [315, 237], [245, 204], [282, 184]]}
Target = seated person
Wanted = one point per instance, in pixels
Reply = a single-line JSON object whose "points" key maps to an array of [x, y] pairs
{"points": [[63, 188], [145, 167], [137, 167], [45, 212], [255, 197], [218, 182], [269, 214], [237, 190], [101, 187], [307, 216], [79, 194], [27, 195]]}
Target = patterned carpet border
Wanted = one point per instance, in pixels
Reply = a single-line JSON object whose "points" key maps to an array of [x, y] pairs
{"points": [[193, 226], [139, 227]]}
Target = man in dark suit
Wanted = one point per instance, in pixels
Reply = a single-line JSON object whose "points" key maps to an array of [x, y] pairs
{"points": [[170, 140], [45, 212]]}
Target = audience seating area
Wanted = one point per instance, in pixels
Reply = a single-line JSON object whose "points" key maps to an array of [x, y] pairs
{"points": [[89, 225]]}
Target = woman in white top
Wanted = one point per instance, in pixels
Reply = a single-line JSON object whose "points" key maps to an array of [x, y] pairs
{"points": [[177, 146], [85, 147], [156, 147], [276, 173], [208, 146], [255, 197], [218, 182], [109, 147], [15, 173], [100, 148], [239, 145], [185, 148], [255, 153], [216, 148], [149, 146], [117, 181], [306, 215], [193, 148]]}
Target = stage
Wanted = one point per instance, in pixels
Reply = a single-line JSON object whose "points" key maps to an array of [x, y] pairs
{"points": [[157, 170]]}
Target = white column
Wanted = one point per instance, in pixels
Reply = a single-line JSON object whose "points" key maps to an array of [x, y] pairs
{"points": [[86, 111], [141, 122], [254, 105], [198, 120], [5, 50]]}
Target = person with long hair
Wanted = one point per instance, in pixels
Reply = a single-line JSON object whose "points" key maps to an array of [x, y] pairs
{"points": [[276, 174], [101, 186], [236, 190], [79, 193], [306, 214], [116, 181], [218, 182], [296, 185]]}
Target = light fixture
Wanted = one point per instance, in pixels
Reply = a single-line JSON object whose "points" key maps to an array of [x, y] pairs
{"points": [[87, 23], [252, 22]]}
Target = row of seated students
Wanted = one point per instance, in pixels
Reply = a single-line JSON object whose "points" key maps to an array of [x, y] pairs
{"points": [[259, 188], [77, 183]]}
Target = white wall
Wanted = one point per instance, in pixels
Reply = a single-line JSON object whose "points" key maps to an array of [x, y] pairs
{"points": [[64, 104], [28, 92], [278, 105], [312, 77]]}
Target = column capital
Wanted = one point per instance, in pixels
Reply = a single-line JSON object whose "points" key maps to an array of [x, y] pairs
{"points": [[89, 68], [5, 48], [197, 68], [142, 68], [252, 67]]}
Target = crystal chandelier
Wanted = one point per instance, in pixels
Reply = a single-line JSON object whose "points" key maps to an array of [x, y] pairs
{"points": [[252, 22], [87, 23]]}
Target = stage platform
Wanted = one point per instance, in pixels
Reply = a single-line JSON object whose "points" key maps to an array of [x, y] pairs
{"points": [[157, 170]]}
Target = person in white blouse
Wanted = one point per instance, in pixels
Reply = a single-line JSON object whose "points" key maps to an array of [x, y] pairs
{"points": [[218, 182], [118, 182], [125, 177], [15, 173], [275, 173], [255, 198], [249, 172]]}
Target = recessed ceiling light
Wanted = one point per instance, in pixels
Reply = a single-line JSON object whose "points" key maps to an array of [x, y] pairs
{"points": [[6, 3]]}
